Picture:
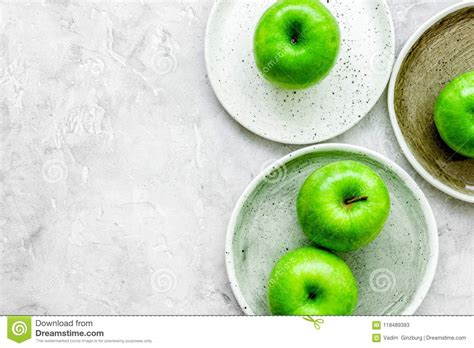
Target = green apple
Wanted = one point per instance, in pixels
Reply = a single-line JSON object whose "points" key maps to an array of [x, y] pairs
{"points": [[454, 114], [310, 281], [343, 206], [296, 43]]}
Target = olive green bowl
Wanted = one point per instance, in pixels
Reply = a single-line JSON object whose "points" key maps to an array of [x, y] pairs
{"points": [[438, 51], [394, 272]]}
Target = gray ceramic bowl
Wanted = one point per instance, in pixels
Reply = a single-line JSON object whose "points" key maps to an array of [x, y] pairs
{"points": [[438, 51], [394, 272]]}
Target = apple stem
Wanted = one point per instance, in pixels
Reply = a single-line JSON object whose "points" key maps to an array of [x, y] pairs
{"points": [[356, 199]]}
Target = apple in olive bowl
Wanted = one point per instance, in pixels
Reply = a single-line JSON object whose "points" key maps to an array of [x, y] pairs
{"points": [[454, 114]]}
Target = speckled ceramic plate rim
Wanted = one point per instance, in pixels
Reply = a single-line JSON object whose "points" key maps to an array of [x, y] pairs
{"points": [[335, 134], [411, 184], [391, 104]]}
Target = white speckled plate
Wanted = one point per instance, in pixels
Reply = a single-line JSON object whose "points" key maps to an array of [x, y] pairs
{"points": [[315, 114], [394, 272]]}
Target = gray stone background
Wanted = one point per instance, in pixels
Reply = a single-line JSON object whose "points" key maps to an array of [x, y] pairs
{"points": [[119, 169]]}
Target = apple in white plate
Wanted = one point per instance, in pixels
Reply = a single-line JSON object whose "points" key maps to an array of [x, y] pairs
{"points": [[296, 43]]}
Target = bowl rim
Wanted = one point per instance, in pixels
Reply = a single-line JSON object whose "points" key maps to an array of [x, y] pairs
{"points": [[391, 103], [430, 221], [212, 83]]}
